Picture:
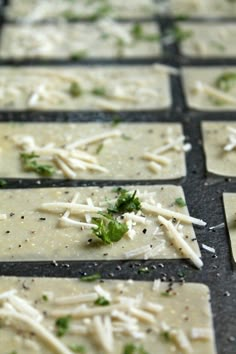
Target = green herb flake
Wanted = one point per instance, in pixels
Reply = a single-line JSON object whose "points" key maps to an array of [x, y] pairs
{"points": [[99, 91], [92, 277], [165, 335], [102, 301], [102, 11], [138, 34], [180, 202], [30, 163], [62, 325], [3, 183], [116, 120], [75, 348], [143, 270], [79, 55], [99, 148], [179, 34], [13, 352], [108, 229], [75, 89], [44, 297], [226, 81], [166, 293], [133, 349], [126, 202]]}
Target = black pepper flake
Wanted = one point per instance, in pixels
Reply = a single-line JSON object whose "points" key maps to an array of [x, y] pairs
{"points": [[22, 217], [19, 246], [12, 214], [90, 240], [42, 219], [7, 232], [193, 239], [105, 254], [144, 231]]}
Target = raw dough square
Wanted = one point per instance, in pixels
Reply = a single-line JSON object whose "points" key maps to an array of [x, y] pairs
{"points": [[209, 40], [170, 321], [203, 8], [109, 88], [120, 157], [105, 39], [37, 10], [31, 232], [230, 213], [216, 136], [202, 92]]}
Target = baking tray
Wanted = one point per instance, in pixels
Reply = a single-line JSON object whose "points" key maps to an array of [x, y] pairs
{"points": [[203, 194]]}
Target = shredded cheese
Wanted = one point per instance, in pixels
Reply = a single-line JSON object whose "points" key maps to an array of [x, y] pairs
{"points": [[201, 87], [180, 243], [3, 217]]}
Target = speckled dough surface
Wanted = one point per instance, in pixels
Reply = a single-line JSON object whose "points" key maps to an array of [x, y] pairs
{"points": [[121, 156], [203, 8], [185, 309], [199, 83], [209, 40], [105, 39], [97, 88], [215, 138], [36, 10], [230, 213], [33, 233]]}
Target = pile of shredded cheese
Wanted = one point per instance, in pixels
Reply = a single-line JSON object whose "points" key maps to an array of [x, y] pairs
{"points": [[165, 218], [70, 158]]}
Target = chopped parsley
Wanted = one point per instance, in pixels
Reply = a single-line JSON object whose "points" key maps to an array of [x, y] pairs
{"points": [[226, 81], [116, 119], [134, 349], [102, 301], [126, 202], [62, 325], [44, 297], [77, 348], [180, 202], [179, 34], [75, 90], [138, 34], [79, 55], [99, 148], [143, 270], [92, 277], [30, 163], [165, 335], [103, 11], [99, 91], [3, 183], [108, 229]]}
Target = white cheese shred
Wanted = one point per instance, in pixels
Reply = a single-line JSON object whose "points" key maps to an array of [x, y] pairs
{"points": [[180, 243]]}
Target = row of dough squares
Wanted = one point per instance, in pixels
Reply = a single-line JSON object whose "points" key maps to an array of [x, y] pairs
{"points": [[35, 10], [114, 88], [107, 38], [116, 151]]}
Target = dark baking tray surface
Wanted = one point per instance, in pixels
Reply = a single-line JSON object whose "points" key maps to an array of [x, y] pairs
{"points": [[203, 195]]}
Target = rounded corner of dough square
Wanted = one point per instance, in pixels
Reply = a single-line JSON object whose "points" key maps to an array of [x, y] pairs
{"points": [[216, 138]]}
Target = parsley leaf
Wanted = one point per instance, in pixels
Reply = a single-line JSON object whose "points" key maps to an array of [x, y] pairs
{"points": [[90, 278], [3, 183], [75, 89], [99, 91], [178, 34], [226, 81], [102, 301], [133, 349], [77, 348], [180, 202], [126, 202], [108, 229], [99, 148], [30, 164], [79, 55], [138, 34], [62, 325]]}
